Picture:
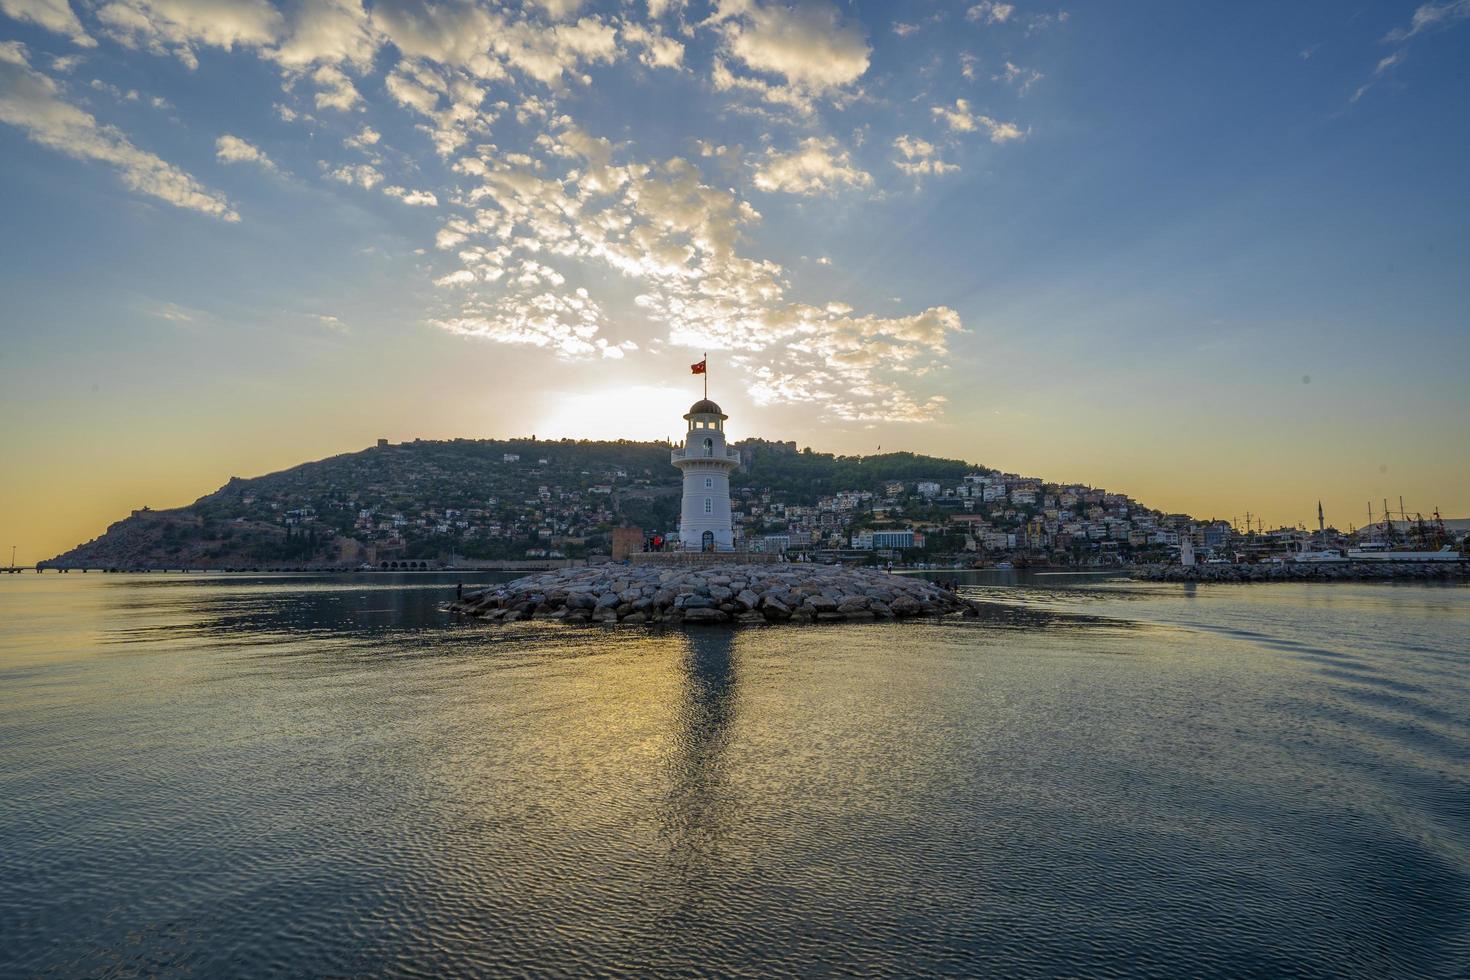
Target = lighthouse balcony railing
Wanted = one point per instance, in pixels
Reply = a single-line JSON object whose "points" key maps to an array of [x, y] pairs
{"points": [[678, 455]]}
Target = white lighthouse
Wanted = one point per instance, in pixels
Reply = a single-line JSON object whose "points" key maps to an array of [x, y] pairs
{"points": [[704, 520]]}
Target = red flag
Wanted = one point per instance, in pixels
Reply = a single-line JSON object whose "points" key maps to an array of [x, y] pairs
{"points": [[698, 368]]}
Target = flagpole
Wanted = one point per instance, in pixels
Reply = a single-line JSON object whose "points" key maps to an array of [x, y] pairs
{"points": [[705, 372]]}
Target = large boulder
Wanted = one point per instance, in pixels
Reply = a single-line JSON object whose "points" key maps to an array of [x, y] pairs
{"points": [[704, 614]]}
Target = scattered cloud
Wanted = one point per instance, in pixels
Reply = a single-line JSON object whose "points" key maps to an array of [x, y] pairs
{"points": [[959, 119], [578, 207], [329, 32], [1427, 18], [1384, 65], [1430, 17], [52, 15], [358, 175], [335, 89], [174, 313], [990, 12], [808, 45], [815, 166], [232, 149], [420, 198], [368, 137], [920, 158], [180, 27], [659, 50], [1019, 78], [527, 231], [32, 102]]}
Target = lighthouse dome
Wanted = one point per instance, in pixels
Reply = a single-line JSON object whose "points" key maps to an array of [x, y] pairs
{"points": [[705, 407]]}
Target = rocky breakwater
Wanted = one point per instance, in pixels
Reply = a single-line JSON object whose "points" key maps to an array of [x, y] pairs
{"points": [[1346, 571], [712, 594]]}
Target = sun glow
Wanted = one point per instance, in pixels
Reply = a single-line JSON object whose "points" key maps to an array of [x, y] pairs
{"points": [[633, 412]]}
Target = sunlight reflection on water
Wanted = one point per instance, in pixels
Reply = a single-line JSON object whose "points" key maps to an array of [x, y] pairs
{"points": [[290, 775]]}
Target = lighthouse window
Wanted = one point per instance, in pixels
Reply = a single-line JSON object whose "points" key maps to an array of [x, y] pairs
{"points": [[709, 505], [709, 447], [709, 483]]}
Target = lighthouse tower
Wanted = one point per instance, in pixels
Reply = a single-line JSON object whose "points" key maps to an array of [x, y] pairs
{"points": [[704, 520]]}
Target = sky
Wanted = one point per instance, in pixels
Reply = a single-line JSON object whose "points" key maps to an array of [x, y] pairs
{"points": [[1211, 255]]}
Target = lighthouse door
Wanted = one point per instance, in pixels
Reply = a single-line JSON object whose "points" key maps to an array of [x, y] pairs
{"points": [[707, 541]]}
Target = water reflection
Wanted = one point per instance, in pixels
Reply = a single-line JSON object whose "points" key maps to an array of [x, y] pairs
{"points": [[698, 805], [252, 608], [300, 776]]}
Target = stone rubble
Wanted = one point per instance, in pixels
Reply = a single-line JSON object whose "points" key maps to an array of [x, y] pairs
{"points": [[731, 593]]}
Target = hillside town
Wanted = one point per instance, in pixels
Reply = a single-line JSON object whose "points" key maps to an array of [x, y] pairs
{"points": [[457, 503]]}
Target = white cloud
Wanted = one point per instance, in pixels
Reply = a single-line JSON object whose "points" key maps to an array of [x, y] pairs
{"points": [[484, 42], [566, 323], [1021, 78], [459, 277], [808, 44], [559, 9], [232, 149], [53, 15], [529, 225], [368, 137], [991, 12], [1384, 64], [1431, 16], [660, 225], [335, 89], [1427, 17], [31, 101], [659, 50], [359, 175], [959, 120], [789, 96], [177, 26], [420, 198], [449, 33], [920, 158], [174, 313], [816, 166], [98, 85], [326, 32], [904, 30]]}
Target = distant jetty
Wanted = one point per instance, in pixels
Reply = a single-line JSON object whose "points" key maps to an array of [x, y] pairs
{"points": [[1347, 571], [715, 593]]}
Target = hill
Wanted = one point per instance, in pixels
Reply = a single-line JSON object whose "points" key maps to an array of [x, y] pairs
{"points": [[487, 499]]}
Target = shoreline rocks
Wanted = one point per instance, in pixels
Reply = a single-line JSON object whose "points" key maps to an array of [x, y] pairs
{"points": [[731, 593], [1347, 571]]}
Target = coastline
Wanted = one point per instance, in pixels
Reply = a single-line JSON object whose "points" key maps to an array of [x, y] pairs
{"points": [[1347, 571]]}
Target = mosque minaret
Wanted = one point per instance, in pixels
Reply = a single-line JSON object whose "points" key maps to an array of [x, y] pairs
{"points": [[704, 519]]}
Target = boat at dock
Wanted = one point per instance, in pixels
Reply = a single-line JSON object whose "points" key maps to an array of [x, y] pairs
{"points": [[1387, 554]]}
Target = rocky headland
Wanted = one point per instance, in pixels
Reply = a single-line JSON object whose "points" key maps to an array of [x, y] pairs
{"points": [[733, 593], [1346, 571]]}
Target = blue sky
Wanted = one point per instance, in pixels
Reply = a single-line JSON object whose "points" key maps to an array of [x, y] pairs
{"points": [[1208, 254]]}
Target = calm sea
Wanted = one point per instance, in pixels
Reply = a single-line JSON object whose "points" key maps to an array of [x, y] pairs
{"points": [[249, 776]]}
